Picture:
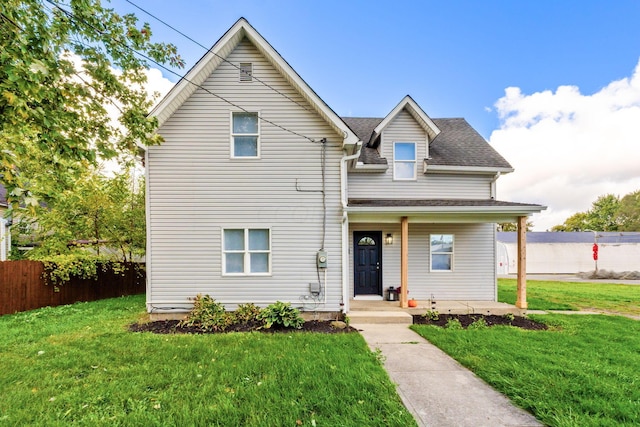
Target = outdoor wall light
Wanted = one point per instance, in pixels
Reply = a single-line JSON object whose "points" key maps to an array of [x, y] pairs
{"points": [[389, 239]]}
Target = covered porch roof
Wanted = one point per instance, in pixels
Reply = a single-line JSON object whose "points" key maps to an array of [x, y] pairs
{"points": [[439, 210], [404, 211]]}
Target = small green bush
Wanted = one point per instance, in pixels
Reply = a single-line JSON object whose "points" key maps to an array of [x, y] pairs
{"points": [[246, 313], [453, 324], [281, 314], [509, 316], [208, 314], [432, 315], [478, 324]]}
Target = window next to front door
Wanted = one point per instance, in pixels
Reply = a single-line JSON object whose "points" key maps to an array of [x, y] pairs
{"points": [[441, 252]]}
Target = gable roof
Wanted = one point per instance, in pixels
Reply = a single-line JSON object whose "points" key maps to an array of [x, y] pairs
{"points": [[415, 111], [218, 54], [457, 146]]}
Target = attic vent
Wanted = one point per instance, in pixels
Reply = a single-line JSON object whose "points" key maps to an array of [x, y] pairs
{"points": [[246, 70]]}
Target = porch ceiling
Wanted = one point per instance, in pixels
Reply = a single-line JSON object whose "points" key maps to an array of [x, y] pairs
{"points": [[438, 210]]}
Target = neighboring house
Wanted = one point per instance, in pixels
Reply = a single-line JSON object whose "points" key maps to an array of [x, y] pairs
{"points": [[569, 252], [261, 192]]}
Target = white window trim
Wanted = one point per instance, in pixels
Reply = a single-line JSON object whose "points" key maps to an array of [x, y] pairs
{"points": [[233, 135], [245, 251], [414, 161], [453, 249]]}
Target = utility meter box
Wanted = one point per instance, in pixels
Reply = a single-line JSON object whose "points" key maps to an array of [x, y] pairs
{"points": [[321, 258]]}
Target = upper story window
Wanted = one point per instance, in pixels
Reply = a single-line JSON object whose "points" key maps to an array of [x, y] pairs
{"points": [[404, 161], [245, 135], [247, 251], [441, 252], [246, 72]]}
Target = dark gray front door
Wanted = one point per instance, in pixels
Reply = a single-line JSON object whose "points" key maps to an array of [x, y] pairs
{"points": [[367, 262]]}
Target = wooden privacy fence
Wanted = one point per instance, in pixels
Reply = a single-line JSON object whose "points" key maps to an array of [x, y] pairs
{"points": [[23, 286]]}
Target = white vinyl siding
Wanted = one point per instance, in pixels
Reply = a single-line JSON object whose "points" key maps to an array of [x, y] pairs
{"points": [[195, 191], [474, 274]]}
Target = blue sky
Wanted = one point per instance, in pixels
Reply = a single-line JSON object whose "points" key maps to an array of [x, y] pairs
{"points": [[456, 59]]}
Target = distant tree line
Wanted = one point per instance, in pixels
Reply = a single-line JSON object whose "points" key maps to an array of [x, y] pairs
{"points": [[608, 213]]}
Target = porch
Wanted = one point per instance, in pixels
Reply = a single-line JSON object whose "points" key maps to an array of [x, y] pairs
{"points": [[363, 311]]}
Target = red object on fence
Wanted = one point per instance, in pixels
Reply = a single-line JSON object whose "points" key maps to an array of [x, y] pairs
{"points": [[595, 251]]}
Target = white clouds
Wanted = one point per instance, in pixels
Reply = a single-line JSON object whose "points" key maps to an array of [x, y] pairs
{"points": [[156, 83], [568, 148]]}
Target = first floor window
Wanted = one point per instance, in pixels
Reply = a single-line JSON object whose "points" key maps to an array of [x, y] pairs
{"points": [[245, 134], [404, 161], [441, 252], [247, 251]]}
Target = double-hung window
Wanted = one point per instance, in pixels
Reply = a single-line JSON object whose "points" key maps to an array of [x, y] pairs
{"points": [[404, 161], [245, 135], [247, 251], [441, 252]]}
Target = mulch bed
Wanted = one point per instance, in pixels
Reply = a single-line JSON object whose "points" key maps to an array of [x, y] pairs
{"points": [[325, 327], [491, 320], [173, 327]]}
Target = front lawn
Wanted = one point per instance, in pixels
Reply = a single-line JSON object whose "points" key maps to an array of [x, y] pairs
{"points": [[549, 295], [583, 371], [79, 364]]}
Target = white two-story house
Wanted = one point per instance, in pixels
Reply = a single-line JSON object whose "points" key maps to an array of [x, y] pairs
{"points": [[261, 192]]}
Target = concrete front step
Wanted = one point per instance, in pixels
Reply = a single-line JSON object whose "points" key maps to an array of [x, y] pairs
{"points": [[365, 317]]}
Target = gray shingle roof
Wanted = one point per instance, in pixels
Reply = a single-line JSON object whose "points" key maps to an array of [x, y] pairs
{"points": [[458, 144], [363, 128]]}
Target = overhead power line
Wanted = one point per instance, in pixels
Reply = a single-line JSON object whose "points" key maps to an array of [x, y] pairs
{"points": [[76, 19]]}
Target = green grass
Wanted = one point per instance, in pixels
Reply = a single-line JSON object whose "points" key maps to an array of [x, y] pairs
{"points": [[583, 372], [78, 364], [547, 295]]}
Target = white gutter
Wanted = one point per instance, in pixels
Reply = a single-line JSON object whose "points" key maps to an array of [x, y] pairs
{"points": [[345, 224]]}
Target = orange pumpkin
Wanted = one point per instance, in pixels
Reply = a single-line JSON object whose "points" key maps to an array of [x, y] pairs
{"points": [[413, 303]]}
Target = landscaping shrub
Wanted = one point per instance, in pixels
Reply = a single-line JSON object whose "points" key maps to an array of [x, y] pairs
{"points": [[246, 313], [281, 314], [208, 314]]}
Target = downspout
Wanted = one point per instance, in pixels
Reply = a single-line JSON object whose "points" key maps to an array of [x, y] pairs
{"points": [[492, 186], [345, 224]]}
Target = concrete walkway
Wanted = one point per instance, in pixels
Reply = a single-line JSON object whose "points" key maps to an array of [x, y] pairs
{"points": [[436, 389]]}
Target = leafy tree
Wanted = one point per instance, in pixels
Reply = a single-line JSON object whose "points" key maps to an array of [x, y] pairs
{"points": [[513, 226], [576, 222], [628, 214], [101, 217], [61, 67], [601, 217]]}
